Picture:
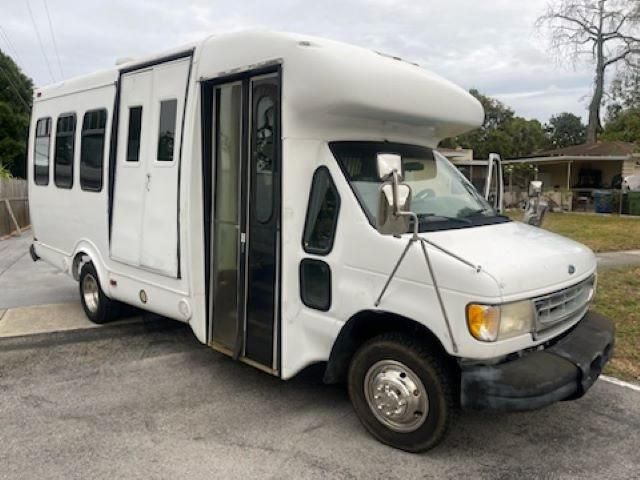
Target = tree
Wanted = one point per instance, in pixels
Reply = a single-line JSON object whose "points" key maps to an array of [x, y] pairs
{"points": [[625, 126], [565, 129], [15, 109], [502, 132], [624, 93], [605, 31]]}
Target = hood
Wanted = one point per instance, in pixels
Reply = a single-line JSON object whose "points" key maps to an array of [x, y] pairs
{"points": [[522, 258]]}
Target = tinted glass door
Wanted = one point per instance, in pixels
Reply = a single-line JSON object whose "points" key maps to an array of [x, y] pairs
{"points": [[226, 218], [263, 219], [245, 218]]}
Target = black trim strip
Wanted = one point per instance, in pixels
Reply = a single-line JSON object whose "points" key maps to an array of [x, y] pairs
{"points": [[179, 166], [158, 61]]}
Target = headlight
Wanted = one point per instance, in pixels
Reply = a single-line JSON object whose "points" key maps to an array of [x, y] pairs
{"points": [[489, 323]]}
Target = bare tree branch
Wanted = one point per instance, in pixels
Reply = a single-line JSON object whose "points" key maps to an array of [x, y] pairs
{"points": [[609, 27]]}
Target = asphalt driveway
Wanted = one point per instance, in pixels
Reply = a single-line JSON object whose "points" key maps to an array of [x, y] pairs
{"points": [[146, 400]]}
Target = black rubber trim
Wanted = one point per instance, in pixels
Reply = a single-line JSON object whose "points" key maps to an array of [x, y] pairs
{"points": [[564, 371]]}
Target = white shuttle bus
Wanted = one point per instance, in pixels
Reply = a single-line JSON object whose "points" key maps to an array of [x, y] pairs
{"points": [[282, 195]]}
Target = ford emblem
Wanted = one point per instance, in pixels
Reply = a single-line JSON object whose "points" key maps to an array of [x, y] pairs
{"points": [[572, 269]]}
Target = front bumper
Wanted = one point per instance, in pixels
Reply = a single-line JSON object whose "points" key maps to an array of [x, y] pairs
{"points": [[563, 371]]}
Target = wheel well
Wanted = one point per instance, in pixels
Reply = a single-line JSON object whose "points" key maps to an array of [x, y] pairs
{"points": [[78, 261], [368, 324]]}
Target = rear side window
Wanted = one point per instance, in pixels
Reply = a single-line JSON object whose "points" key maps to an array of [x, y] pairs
{"points": [[92, 150], [65, 143], [167, 130], [41, 152], [322, 214], [133, 136]]}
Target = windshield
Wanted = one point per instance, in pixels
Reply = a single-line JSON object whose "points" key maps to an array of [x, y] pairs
{"points": [[441, 196]]}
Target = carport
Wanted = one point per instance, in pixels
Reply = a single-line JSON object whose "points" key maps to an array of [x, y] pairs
{"points": [[571, 175]]}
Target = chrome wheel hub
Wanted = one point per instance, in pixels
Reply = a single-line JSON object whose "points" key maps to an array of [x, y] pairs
{"points": [[396, 396], [90, 293]]}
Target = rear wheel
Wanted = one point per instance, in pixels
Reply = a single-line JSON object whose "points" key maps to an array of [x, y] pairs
{"points": [[97, 306], [402, 392]]}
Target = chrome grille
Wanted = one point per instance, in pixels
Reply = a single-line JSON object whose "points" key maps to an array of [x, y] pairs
{"points": [[563, 305]]}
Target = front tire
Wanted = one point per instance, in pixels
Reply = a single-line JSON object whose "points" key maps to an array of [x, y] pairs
{"points": [[402, 392], [97, 306]]}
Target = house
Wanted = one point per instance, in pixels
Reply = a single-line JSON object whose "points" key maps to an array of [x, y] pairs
{"points": [[570, 175]]}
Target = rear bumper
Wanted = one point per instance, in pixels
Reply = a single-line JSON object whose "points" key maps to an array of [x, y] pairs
{"points": [[564, 371]]}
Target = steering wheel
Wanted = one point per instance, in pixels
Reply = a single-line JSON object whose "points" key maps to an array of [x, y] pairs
{"points": [[424, 194]]}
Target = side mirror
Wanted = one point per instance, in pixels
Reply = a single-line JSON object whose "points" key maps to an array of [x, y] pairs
{"points": [[387, 164], [394, 200], [535, 188]]}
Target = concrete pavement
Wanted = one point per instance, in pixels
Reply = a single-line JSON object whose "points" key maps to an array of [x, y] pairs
{"points": [[618, 259], [24, 282], [147, 401]]}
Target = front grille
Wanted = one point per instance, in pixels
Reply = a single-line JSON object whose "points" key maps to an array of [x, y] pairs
{"points": [[564, 305]]}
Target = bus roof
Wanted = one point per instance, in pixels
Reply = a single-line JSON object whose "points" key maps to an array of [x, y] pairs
{"points": [[330, 89]]}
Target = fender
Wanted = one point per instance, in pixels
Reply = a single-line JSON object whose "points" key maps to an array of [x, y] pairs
{"points": [[86, 248], [367, 324]]}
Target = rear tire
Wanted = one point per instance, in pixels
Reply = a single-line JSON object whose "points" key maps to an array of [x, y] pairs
{"points": [[402, 392], [97, 306]]}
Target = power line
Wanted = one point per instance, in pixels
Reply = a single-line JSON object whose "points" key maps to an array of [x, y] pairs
{"points": [[18, 94], [35, 27], [53, 37], [9, 43], [14, 74]]}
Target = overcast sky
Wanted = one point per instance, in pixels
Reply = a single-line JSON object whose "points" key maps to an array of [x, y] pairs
{"points": [[492, 46]]}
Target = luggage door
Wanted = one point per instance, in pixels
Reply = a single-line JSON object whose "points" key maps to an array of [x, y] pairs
{"points": [[246, 218]]}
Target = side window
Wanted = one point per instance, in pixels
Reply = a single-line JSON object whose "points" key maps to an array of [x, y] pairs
{"points": [[315, 284], [64, 149], [133, 136], [41, 152], [322, 214], [167, 130], [92, 150]]}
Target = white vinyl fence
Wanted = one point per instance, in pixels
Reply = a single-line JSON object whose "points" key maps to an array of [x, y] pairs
{"points": [[14, 206]]}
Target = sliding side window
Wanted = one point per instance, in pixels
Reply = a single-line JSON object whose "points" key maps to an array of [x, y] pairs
{"points": [[41, 152], [322, 214], [64, 149], [92, 150]]}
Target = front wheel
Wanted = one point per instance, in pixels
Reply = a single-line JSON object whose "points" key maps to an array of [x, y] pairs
{"points": [[402, 392]]}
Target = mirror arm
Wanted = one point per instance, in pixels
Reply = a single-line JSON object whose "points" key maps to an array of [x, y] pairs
{"points": [[394, 183]]}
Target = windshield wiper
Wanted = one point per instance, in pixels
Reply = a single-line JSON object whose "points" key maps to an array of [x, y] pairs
{"points": [[432, 217], [479, 211]]}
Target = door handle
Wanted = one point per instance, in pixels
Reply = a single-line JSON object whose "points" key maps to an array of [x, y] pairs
{"points": [[243, 241], [148, 185]]}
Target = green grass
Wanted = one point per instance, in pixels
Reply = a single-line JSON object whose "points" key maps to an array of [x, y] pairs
{"points": [[617, 298], [601, 233]]}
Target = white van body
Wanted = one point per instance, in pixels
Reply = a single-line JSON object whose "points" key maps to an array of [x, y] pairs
{"points": [[182, 126]]}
